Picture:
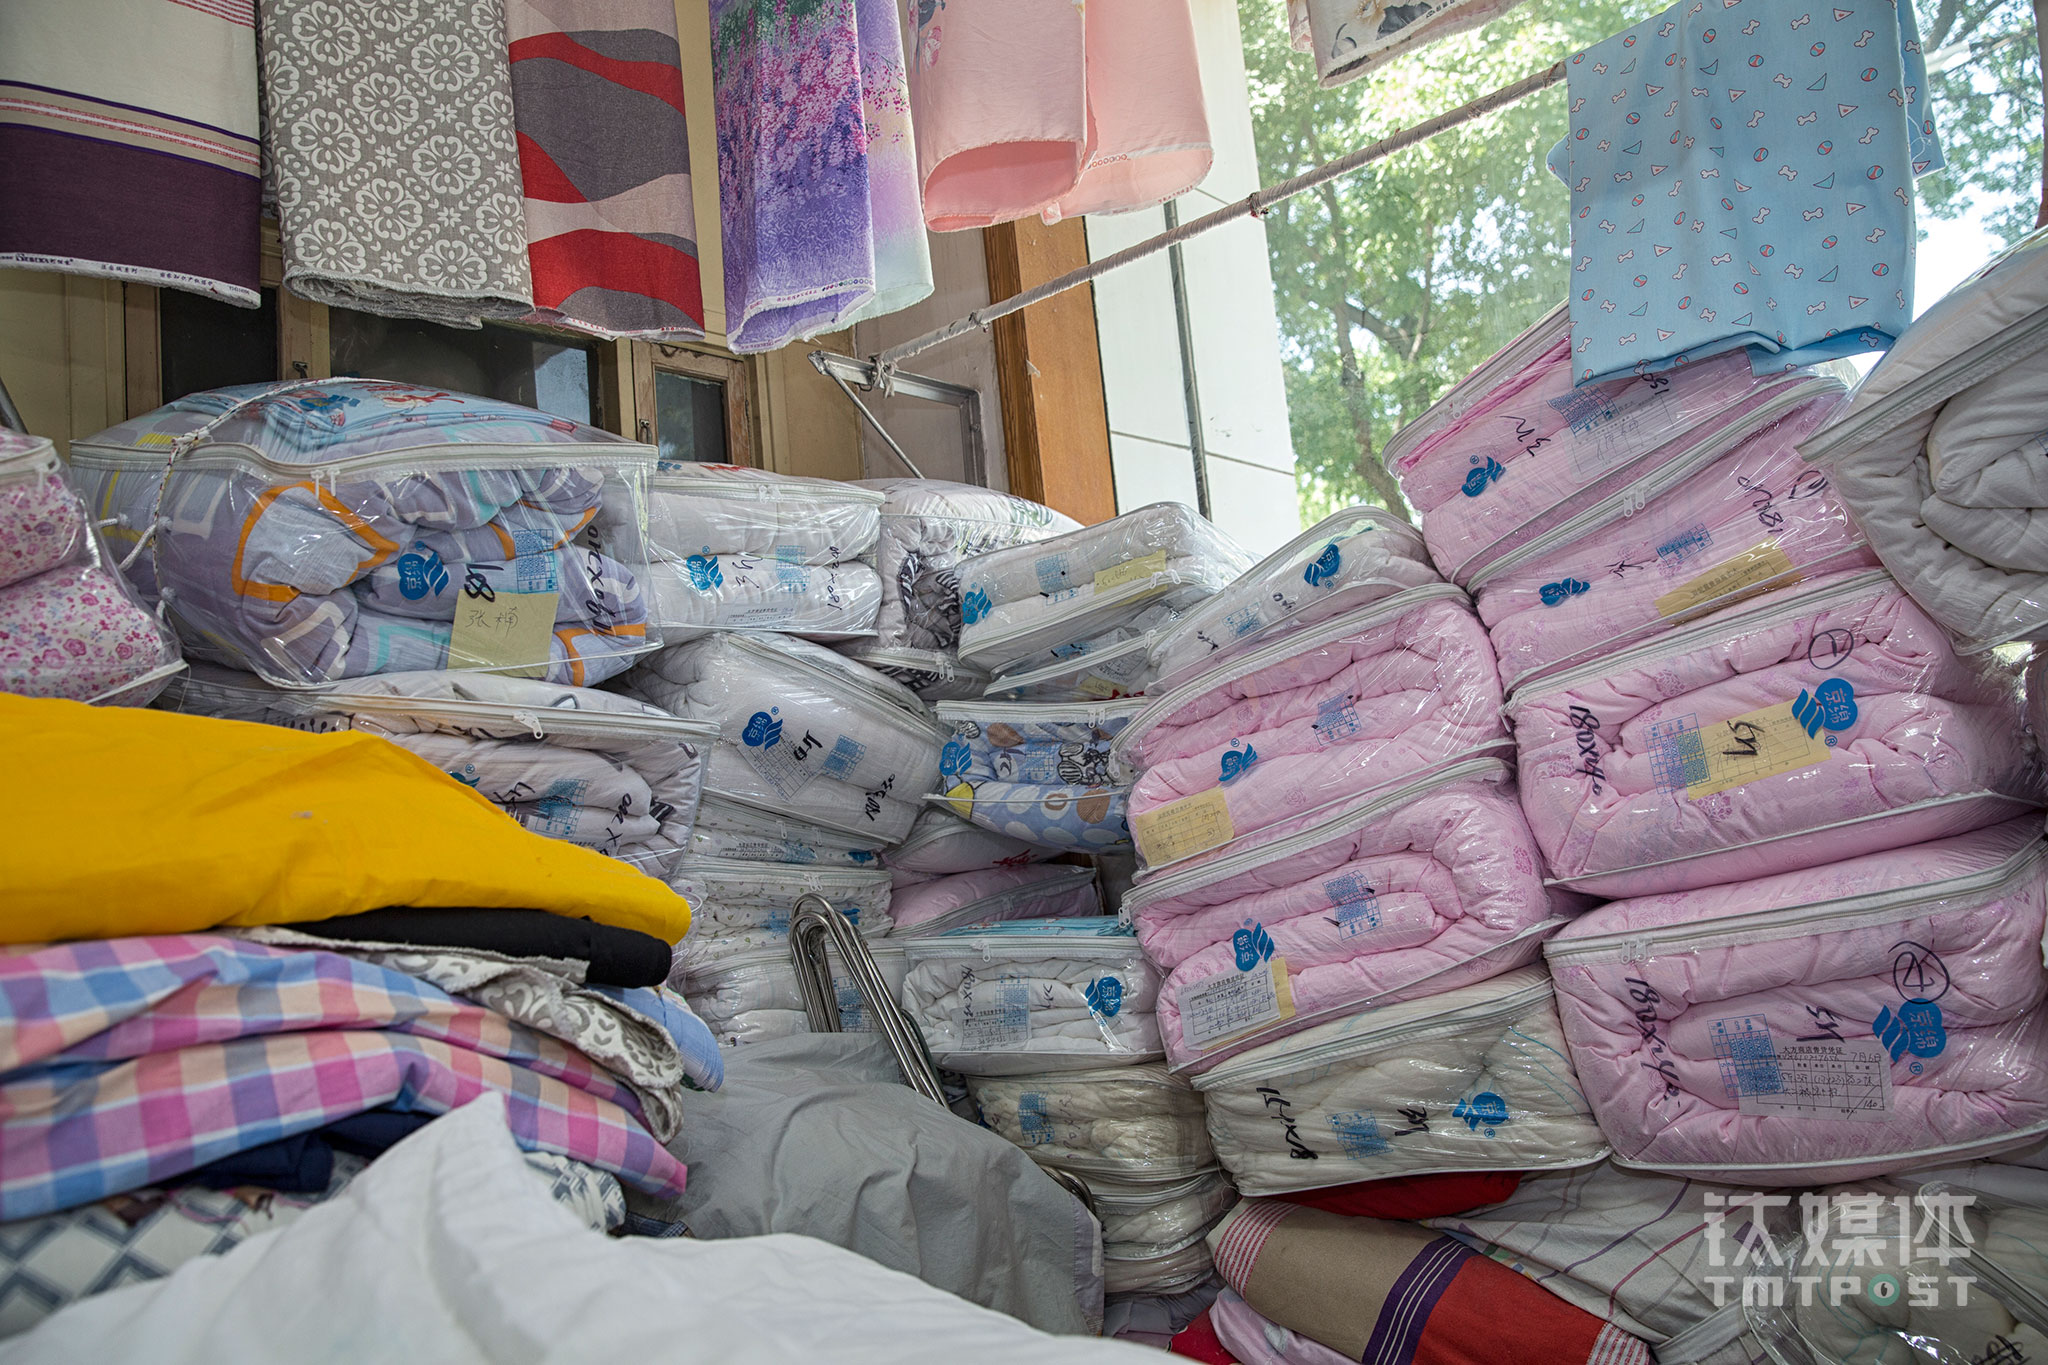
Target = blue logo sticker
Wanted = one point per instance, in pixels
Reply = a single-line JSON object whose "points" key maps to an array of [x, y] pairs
{"points": [[1325, 567], [1563, 590], [974, 605], [1106, 996], [1916, 1028], [1482, 475], [953, 759], [1484, 1109], [860, 855], [704, 572], [421, 574], [1832, 704], [762, 731], [1237, 762], [1251, 945]]}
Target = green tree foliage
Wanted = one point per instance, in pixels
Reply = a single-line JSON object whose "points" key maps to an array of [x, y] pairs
{"points": [[1396, 281]]}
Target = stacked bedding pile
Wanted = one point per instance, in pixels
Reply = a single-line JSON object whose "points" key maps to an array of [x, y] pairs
{"points": [[1039, 606], [732, 548], [70, 626], [941, 844], [313, 531], [288, 948], [928, 527]]}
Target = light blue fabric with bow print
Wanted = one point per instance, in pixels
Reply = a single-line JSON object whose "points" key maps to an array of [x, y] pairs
{"points": [[1742, 174]]}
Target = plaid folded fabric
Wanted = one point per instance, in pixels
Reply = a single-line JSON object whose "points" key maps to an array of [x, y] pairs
{"points": [[126, 1062]]}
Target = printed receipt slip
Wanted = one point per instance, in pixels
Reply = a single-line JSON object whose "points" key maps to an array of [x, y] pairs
{"points": [[1820, 1025]]}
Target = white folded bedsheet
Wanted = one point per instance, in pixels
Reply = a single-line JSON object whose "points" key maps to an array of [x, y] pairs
{"points": [[1135, 1122]]}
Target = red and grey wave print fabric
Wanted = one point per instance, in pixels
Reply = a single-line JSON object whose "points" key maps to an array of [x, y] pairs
{"points": [[597, 95]]}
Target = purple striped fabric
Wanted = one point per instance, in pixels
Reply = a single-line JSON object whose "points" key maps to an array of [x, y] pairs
{"points": [[125, 1062], [1412, 1299]]}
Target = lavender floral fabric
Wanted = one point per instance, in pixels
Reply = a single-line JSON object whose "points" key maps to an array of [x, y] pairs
{"points": [[814, 161]]}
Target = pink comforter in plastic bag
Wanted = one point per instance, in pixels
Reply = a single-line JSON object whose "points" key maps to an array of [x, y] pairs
{"points": [[1371, 698], [1820, 1025], [1819, 724], [1536, 450], [1743, 516], [1421, 889]]}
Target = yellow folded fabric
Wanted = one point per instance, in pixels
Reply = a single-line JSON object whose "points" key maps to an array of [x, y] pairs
{"points": [[116, 821]]}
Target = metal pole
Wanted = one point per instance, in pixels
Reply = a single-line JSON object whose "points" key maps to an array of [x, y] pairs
{"points": [[1252, 205]]}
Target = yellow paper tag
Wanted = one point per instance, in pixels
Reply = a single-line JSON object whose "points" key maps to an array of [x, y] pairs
{"points": [[1754, 569], [1095, 687], [1232, 1005], [1183, 828], [1747, 748], [1130, 571], [508, 632]]}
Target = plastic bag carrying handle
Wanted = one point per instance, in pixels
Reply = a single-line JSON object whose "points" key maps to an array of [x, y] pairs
{"points": [[813, 924]]}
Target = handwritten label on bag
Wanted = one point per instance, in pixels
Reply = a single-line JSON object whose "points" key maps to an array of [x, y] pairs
{"points": [[505, 617], [1745, 575], [995, 1013], [1706, 759], [1130, 571], [1825, 1078], [1223, 1007], [1183, 828]]}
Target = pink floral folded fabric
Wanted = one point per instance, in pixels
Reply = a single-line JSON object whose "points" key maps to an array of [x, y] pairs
{"points": [[75, 633], [42, 521]]}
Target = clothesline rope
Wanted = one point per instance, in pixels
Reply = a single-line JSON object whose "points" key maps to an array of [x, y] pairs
{"points": [[1253, 205]]}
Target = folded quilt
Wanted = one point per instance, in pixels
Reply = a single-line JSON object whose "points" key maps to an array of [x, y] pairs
{"points": [[941, 843], [313, 531], [1046, 816], [1534, 450], [1373, 1290], [1035, 604], [1739, 515], [934, 674], [1351, 37], [1143, 1220], [1138, 1122], [753, 996], [573, 763], [1040, 891], [928, 527], [1374, 697], [1182, 1271], [749, 592], [1939, 454], [1037, 772], [726, 829], [246, 1044], [1033, 995], [651, 1042], [723, 509], [1411, 892], [1825, 722], [1343, 562], [1830, 1023], [1471, 1079], [802, 730], [1117, 664]]}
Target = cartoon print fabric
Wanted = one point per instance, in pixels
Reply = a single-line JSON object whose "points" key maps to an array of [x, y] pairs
{"points": [[1742, 175]]}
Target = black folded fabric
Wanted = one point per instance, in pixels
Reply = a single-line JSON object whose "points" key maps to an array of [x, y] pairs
{"points": [[304, 1162], [617, 957]]}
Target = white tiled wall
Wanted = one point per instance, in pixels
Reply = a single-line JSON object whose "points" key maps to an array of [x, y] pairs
{"points": [[1249, 456]]}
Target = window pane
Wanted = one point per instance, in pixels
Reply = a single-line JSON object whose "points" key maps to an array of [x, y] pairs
{"points": [[689, 418], [497, 362], [207, 344]]}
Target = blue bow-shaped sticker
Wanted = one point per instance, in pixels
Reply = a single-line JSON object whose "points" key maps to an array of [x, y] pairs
{"points": [[953, 759], [974, 605], [1251, 946], [1237, 762], [1563, 590], [1325, 566], [421, 573], [1482, 475], [704, 572], [762, 731], [1106, 996]]}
